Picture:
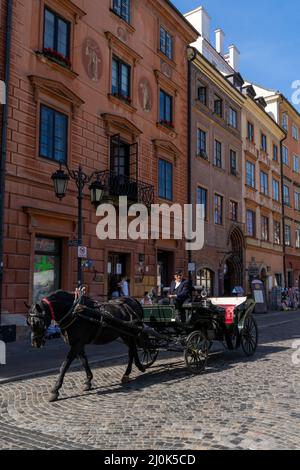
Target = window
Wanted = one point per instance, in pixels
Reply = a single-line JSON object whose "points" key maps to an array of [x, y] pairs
{"points": [[285, 121], [290, 280], [278, 277], [250, 131], [121, 79], [47, 267], [265, 228], [165, 182], [218, 106], [166, 111], [264, 146], [297, 201], [202, 94], [297, 238], [295, 132], [296, 164], [286, 195], [277, 233], [285, 155], [166, 43], [218, 210], [202, 200], [201, 143], [119, 157], [122, 9], [287, 235], [250, 174], [233, 116], [276, 196], [56, 37], [275, 153], [205, 278], [53, 134], [233, 211], [264, 183], [250, 222], [218, 154], [233, 163]]}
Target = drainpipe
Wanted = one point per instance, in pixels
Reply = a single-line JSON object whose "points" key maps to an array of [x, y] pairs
{"points": [[283, 211], [4, 138], [191, 54]]}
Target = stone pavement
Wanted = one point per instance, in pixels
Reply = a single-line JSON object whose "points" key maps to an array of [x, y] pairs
{"points": [[237, 403]]}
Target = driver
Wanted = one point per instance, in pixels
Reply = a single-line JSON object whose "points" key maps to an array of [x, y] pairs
{"points": [[180, 290]]}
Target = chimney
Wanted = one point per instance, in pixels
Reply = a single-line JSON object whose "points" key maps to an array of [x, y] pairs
{"points": [[220, 38], [234, 58], [200, 19]]}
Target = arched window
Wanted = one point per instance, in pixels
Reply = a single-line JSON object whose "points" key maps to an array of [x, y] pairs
{"points": [[205, 278]]}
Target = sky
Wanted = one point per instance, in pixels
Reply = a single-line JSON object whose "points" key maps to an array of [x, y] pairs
{"points": [[267, 33]]}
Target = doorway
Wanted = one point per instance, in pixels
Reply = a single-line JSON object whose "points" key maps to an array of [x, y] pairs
{"points": [[118, 267], [165, 269]]}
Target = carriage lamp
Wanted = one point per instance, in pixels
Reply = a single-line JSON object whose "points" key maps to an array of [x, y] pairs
{"points": [[60, 180], [97, 192]]}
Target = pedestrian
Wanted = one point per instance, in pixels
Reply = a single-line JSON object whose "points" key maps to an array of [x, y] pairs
{"points": [[124, 287], [146, 300]]}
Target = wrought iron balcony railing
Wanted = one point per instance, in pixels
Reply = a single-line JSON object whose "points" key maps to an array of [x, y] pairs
{"points": [[119, 185]]}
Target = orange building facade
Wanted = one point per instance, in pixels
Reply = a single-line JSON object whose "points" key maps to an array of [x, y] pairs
{"points": [[105, 88]]}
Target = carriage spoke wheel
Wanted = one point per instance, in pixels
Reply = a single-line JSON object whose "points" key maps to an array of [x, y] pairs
{"points": [[148, 357], [249, 336], [196, 352]]}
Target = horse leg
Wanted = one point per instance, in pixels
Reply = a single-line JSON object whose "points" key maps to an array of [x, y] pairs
{"points": [[89, 374], [126, 376], [63, 370]]}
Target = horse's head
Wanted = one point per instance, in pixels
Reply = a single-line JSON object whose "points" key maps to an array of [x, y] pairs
{"points": [[38, 320]]}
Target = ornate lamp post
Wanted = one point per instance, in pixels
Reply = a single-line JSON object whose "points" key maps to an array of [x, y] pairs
{"points": [[61, 179]]}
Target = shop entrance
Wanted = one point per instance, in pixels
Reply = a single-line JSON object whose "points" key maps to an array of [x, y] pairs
{"points": [[118, 268], [165, 269]]}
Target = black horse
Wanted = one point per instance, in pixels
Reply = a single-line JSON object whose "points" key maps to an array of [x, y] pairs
{"points": [[78, 332]]}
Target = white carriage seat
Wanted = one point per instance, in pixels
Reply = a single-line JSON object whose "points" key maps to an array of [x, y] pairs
{"points": [[227, 301]]}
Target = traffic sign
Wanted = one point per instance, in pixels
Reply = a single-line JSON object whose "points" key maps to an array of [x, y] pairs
{"points": [[82, 252]]}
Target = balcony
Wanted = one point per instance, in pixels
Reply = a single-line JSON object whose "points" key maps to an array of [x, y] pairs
{"points": [[120, 185]]}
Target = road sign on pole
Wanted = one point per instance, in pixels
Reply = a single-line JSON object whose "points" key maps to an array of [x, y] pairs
{"points": [[82, 252]]}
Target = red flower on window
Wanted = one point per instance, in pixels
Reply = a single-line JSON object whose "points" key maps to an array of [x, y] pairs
{"points": [[57, 56]]}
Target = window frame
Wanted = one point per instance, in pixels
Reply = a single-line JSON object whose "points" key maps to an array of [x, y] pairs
{"points": [[166, 164], [250, 132], [277, 233], [218, 206], [219, 111], [218, 154], [55, 112], [120, 64], [114, 10], [163, 120], [264, 183], [167, 37], [201, 190], [265, 228], [264, 143], [233, 214], [275, 190], [57, 16], [253, 222], [233, 118], [248, 164]]}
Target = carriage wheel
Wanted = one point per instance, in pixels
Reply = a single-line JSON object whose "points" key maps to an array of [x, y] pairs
{"points": [[148, 357], [196, 352], [249, 336], [233, 339]]}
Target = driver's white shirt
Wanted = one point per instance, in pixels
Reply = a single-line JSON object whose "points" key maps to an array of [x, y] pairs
{"points": [[177, 284]]}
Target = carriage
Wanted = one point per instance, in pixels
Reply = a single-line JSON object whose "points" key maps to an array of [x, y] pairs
{"points": [[194, 327]]}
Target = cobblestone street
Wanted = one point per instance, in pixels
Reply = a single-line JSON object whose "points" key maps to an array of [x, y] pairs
{"points": [[236, 404]]}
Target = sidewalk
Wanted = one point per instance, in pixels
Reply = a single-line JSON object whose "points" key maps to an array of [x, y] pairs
{"points": [[23, 361]]}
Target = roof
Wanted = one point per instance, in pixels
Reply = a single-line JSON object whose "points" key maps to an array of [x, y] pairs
{"points": [[182, 17]]}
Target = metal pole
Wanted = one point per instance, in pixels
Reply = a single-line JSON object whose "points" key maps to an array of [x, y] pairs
{"points": [[3, 138], [80, 184]]}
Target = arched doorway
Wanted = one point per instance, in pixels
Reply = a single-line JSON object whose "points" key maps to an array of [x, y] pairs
{"points": [[234, 265], [205, 278]]}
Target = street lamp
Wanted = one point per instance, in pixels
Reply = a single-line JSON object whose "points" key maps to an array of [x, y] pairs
{"points": [[61, 179]]}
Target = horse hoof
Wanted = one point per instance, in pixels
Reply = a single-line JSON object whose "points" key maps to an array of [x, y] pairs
{"points": [[125, 379], [53, 397], [87, 387]]}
